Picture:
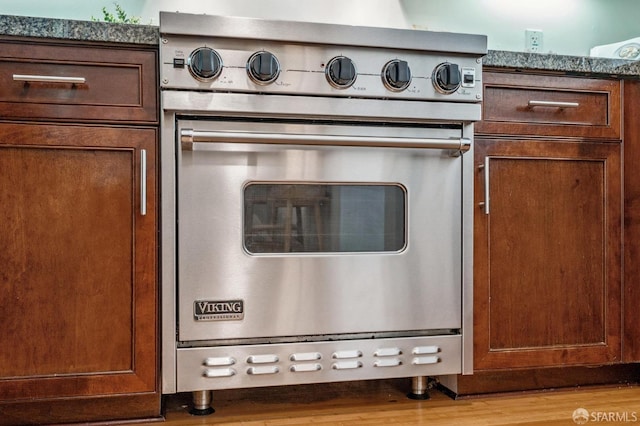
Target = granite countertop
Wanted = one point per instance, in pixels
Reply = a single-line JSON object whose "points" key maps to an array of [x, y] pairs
{"points": [[580, 65], [66, 29]]}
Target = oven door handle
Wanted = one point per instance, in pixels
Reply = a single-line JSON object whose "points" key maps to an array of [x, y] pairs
{"points": [[191, 140]]}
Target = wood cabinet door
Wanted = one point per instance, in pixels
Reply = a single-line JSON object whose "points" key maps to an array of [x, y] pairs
{"points": [[78, 263], [631, 339], [547, 285]]}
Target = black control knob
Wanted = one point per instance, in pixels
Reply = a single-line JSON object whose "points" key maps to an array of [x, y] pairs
{"points": [[205, 63], [446, 78], [341, 72], [396, 75], [263, 67]]}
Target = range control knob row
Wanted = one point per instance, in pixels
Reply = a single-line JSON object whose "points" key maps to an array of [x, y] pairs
{"points": [[341, 72], [446, 78], [396, 75], [263, 67], [204, 64]]}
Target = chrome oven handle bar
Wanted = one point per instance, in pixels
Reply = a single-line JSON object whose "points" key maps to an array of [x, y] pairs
{"points": [[192, 137]]}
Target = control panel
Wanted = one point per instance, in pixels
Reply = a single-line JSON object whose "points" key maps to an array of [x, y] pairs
{"points": [[237, 65]]}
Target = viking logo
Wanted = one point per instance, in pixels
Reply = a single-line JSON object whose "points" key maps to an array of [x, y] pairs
{"points": [[218, 310]]}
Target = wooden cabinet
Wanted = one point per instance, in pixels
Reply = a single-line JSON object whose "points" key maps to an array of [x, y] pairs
{"points": [[77, 83], [631, 293], [550, 106], [547, 284], [548, 229], [78, 243]]}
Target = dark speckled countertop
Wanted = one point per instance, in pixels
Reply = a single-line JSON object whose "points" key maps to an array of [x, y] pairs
{"points": [[66, 29], [144, 34], [579, 65]]}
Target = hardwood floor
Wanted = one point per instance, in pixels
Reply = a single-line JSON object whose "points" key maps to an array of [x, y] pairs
{"points": [[384, 403]]}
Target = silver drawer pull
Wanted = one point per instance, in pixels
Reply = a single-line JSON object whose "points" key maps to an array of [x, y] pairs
{"points": [[262, 359], [48, 79], [219, 372], [143, 182], [487, 190], [299, 368], [255, 371], [422, 360], [552, 104]]}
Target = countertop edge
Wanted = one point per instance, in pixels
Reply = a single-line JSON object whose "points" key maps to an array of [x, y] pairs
{"points": [[581, 65], [67, 29]]}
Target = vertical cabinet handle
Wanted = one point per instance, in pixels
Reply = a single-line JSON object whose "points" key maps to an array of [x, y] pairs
{"points": [[143, 182], [485, 167]]}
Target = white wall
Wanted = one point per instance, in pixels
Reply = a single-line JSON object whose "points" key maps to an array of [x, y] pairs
{"points": [[384, 13], [570, 26], [71, 9]]}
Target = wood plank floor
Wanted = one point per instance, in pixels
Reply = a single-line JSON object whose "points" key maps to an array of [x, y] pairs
{"points": [[384, 403]]}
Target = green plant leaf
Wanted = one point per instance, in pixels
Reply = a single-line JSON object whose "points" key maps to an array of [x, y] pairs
{"points": [[120, 16]]}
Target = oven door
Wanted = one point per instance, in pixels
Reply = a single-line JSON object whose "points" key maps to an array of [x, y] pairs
{"points": [[288, 230]]}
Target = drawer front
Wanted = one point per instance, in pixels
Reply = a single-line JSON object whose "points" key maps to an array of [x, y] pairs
{"points": [[86, 83], [541, 105]]}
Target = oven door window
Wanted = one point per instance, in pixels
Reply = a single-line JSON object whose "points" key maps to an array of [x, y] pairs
{"points": [[324, 218]]}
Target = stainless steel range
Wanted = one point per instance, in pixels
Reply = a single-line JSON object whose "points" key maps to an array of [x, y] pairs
{"points": [[317, 203]]}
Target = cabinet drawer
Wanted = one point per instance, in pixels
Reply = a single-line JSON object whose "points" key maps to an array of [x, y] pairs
{"points": [[541, 105], [88, 83]]}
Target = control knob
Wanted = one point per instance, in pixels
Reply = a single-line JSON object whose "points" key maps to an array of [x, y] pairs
{"points": [[204, 64], [263, 67], [396, 75], [446, 78], [341, 72]]}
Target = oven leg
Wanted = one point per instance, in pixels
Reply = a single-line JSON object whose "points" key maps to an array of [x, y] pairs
{"points": [[419, 388], [201, 403]]}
